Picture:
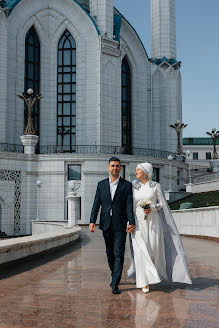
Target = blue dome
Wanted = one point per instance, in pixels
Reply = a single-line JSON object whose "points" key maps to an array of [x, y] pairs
{"points": [[11, 4]]}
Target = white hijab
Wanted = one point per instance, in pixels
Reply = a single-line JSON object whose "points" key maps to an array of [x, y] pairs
{"points": [[147, 168]]}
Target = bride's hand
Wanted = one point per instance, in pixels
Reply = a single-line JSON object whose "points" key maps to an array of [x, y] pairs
{"points": [[130, 228], [147, 211]]}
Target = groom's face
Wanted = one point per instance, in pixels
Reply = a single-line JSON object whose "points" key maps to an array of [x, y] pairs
{"points": [[114, 168]]}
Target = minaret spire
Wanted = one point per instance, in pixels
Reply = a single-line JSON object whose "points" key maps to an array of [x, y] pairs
{"points": [[163, 29]]}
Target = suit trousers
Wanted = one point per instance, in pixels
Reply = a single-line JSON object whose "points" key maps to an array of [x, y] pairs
{"points": [[115, 249]]}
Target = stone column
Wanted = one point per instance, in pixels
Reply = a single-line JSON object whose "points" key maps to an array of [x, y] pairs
{"points": [[29, 142], [72, 208]]}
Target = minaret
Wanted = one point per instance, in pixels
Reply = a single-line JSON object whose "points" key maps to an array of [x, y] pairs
{"points": [[102, 13], [166, 77], [163, 29], [3, 74]]}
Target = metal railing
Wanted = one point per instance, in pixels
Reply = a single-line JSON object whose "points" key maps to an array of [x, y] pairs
{"points": [[116, 150], [11, 148], [206, 177], [200, 168], [95, 149]]}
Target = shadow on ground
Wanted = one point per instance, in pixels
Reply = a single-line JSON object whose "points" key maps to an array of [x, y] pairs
{"points": [[198, 284]]}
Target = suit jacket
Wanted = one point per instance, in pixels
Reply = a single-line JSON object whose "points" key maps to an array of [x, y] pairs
{"points": [[122, 205]]}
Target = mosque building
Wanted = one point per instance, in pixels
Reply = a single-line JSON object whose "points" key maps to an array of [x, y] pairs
{"points": [[102, 96]]}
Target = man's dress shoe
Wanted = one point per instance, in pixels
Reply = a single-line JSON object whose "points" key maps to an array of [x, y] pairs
{"points": [[115, 290]]}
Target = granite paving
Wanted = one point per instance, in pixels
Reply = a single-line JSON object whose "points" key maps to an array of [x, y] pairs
{"points": [[70, 288]]}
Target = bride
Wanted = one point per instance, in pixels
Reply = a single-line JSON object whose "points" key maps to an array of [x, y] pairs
{"points": [[156, 249]]}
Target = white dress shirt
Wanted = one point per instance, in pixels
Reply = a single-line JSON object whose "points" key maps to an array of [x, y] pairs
{"points": [[113, 187]]}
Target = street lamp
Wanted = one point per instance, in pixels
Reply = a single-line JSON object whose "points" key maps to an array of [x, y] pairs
{"points": [[170, 158], [38, 197], [214, 134], [178, 126], [30, 100], [188, 153]]}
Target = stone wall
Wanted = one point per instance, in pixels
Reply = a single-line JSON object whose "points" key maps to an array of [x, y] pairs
{"points": [[198, 221]]}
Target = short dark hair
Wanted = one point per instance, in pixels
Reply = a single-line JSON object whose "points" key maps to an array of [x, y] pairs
{"points": [[114, 159]]}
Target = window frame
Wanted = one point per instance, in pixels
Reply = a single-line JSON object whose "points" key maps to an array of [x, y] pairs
{"points": [[207, 155], [126, 104], [69, 165], [66, 93], [195, 156]]}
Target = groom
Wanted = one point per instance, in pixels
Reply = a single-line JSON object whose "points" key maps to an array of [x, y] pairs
{"points": [[114, 196]]}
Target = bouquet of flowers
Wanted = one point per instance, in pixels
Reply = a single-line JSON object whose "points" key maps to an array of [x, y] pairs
{"points": [[145, 204]]}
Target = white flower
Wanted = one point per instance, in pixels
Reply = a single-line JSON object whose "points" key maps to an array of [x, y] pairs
{"points": [[145, 204]]}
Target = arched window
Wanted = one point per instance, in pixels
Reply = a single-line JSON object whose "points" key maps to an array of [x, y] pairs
{"points": [[126, 105], [66, 85], [32, 74]]}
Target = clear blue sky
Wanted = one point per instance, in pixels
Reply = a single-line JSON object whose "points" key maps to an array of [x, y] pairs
{"points": [[197, 35]]}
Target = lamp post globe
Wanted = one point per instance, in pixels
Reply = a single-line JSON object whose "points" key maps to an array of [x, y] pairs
{"points": [[30, 92]]}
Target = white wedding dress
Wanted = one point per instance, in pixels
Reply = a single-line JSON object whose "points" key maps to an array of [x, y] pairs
{"points": [[148, 239]]}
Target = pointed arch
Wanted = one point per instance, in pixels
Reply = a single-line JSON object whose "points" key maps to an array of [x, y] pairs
{"points": [[126, 104], [66, 96], [32, 74]]}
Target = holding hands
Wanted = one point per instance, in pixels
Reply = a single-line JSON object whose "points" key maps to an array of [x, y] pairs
{"points": [[130, 228]]}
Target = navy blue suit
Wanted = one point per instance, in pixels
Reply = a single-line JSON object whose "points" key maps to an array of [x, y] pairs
{"points": [[114, 226]]}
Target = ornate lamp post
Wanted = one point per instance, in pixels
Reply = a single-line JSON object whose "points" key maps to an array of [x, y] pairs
{"points": [[39, 183], [214, 134], [178, 126], [29, 139], [188, 153], [170, 158], [30, 100]]}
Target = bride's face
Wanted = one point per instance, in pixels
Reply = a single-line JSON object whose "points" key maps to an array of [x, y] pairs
{"points": [[140, 174]]}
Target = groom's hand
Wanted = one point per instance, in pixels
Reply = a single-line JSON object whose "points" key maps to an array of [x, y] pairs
{"points": [[92, 227], [130, 228]]}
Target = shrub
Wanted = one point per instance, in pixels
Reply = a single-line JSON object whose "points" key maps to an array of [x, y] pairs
{"points": [[204, 199]]}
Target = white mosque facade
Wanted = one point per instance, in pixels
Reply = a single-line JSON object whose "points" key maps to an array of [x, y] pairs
{"points": [[102, 96]]}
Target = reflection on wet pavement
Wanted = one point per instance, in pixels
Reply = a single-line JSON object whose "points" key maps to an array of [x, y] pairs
{"points": [[70, 288]]}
